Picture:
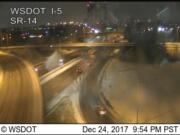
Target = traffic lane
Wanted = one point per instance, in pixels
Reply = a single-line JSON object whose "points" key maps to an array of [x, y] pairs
{"points": [[59, 82], [58, 58], [64, 112], [20, 93], [141, 93], [88, 96], [52, 88], [42, 68], [92, 108], [118, 91], [65, 108]]}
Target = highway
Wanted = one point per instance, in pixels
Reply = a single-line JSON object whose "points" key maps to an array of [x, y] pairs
{"points": [[57, 58], [89, 98], [76, 99], [117, 91], [56, 80], [109, 90], [114, 91], [25, 76]]}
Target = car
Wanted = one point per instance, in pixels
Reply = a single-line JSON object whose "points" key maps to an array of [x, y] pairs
{"points": [[101, 110]]}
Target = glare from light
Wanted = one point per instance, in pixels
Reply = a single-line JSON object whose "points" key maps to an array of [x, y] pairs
{"points": [[36, 69], [98, 37], [71, 22], [161, 29], [48, 24], [32, 36], [171, 29], [96, 31], [64, 23], [61, 61], [40, 36], [150, 29], [102, 112]]}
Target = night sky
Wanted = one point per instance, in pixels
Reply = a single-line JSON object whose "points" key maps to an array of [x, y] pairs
{"points": [[76, 11]]}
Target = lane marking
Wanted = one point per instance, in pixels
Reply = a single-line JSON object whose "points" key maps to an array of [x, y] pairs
{"points": [[57, 71]]}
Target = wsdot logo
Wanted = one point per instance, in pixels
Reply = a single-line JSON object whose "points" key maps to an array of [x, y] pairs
{"points": [[22, 129]]}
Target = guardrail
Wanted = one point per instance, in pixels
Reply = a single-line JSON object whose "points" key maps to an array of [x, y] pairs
{"points": [[73, 45]]}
